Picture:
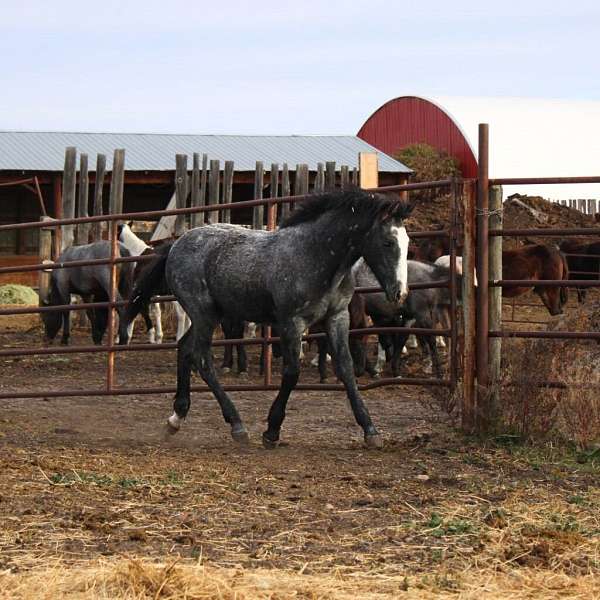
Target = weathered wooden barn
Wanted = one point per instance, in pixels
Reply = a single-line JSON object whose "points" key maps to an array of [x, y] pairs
{"points": [[31, 158]]}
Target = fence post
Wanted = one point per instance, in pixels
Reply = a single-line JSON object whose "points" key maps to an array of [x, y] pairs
{"points": [[344, 177], [228, 189], [469, 401], [213, 189], [274, 187], [330, 176], [495, 297], [45, 256], [319, 185], [368, 170], [82, 232], [257, 214], [285, 190], [98, 226], [117, 182], [68, 196], [181, 191], [483, 276]]}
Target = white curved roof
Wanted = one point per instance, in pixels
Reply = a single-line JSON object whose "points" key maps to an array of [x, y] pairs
{"points": [[532, 137]]}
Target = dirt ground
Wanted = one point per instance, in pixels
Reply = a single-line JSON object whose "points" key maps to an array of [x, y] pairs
{"points": [[433, 514]]}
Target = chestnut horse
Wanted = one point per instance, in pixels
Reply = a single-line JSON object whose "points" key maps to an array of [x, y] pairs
{"points": [[539, 262]]}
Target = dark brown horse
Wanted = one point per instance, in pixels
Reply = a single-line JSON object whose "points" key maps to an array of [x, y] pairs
{"points": [[538, 262], [583, 260]]}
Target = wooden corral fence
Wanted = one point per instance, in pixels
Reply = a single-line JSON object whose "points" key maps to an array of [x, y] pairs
{"points": [[204, 196]]}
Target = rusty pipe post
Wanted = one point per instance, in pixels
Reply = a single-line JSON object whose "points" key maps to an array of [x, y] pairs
{"points": [[453, 291], [114, 253], [267, 348], [482, 269]]}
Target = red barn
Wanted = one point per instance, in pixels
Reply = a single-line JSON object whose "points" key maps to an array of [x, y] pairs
{"points": [[410, 120]]}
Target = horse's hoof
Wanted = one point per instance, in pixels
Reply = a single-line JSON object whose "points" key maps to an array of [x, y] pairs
{"points": [[169, 431], [374, 441], [243, 375], [240, 436], [225, 370], [268, 443]]}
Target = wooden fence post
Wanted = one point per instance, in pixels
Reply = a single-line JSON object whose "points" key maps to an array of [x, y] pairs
{"points": [[68, 196], [319, 185], [483, 277], [368, 170], [181, 191], [344, 177], [98, 226], [83, 229], [354, 176], [258, 213], [330, 176], [45, 256], [495, 298], [117, 182], [285, 190], [274, 187], [228, 189], [213, 189], [199, 189], [469, 400]]}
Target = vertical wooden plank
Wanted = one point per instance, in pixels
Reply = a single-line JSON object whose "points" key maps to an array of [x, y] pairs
{"points": [[45, 256], [368, 170], [590, 206], [319, 185], [354, 176], [495, 295], [117, 182], [580, 205], [274, 187], [57, 203], [68, 196], [228, 189], [330, 176], [213, 189], [195, 190], [344, 177], [258, 213], [469, 399], [83, 229], [203, 188], [181, 191], [98, 227], [285, 190]]}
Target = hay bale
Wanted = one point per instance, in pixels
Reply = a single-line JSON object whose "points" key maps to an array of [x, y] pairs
{"points": [[12, 295]]}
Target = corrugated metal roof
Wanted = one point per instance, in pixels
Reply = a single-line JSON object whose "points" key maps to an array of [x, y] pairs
{"points": [[44, 151]]}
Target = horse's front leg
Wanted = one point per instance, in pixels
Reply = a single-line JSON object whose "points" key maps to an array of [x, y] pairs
{"points": [[337, 329], [181, 406], [290, 334]]}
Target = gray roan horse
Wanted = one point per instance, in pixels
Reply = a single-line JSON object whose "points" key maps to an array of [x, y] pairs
{"points": [[92, 283], [293, 277], [423, 308]]}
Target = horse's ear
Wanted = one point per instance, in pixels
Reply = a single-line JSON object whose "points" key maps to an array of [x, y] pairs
{"points": [[401, 210]]}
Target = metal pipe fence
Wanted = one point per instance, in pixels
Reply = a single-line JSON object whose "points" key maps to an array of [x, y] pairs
{"points": [[112, 350]]}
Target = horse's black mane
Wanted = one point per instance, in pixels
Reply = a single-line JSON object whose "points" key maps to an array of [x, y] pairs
{"points": [[361, 203]]}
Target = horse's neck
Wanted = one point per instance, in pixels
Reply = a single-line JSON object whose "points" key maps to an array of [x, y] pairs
{"points": [[133, 243], [336, 244]]}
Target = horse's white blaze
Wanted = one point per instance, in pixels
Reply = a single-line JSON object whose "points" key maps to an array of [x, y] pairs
{"points": [[402, 266], [132, 242], [175, 421]]}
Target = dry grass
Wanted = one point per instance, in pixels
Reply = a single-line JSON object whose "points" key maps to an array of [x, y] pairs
{"points": [[132, 579], [534, 411]]}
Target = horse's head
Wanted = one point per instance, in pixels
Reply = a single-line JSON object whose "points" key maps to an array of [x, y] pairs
{"points": [[386, 251], [52, 321], [124, 230]]}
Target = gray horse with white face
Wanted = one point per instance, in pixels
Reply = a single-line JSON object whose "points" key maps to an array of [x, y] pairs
{"points": [[294, 277]]}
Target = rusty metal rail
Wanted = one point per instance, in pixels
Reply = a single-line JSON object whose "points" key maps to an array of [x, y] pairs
{"points": [[112, 350]]}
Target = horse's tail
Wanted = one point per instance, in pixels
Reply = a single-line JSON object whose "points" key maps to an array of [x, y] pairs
{"points": [[150, 282], [564, 292]]}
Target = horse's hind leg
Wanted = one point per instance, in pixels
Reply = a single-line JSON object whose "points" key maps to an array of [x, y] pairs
{"points": [[291, 339], [203, 362]]}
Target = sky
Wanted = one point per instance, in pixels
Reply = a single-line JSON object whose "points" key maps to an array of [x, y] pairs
{"points": [[311, 68]]}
